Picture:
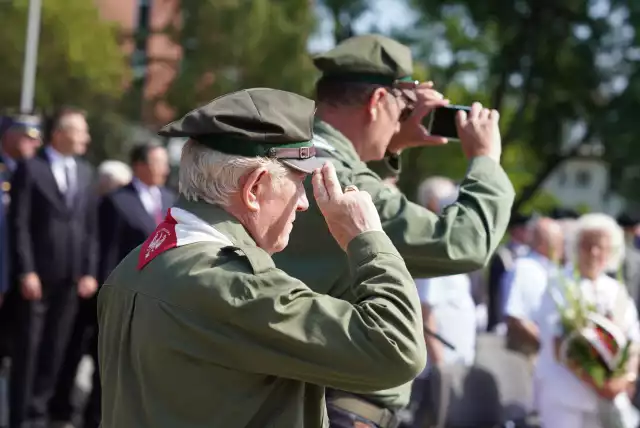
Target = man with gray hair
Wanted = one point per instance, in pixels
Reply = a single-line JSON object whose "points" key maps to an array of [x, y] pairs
{"points": [[199, 328]]}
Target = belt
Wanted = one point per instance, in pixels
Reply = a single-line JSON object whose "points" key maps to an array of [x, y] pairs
{"points": [[382, 417]]}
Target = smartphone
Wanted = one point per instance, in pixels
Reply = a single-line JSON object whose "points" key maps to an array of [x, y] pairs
{"points": [[442, 121]]}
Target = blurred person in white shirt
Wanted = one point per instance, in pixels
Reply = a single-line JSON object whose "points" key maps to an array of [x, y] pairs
{"points": [[566, 399], [448, 307], [527, 284]]}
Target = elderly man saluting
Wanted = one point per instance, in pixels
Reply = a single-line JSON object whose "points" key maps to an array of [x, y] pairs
{"points": [[198, 328]]}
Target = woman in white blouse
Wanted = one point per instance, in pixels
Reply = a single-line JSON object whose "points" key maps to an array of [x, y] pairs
{"points": [[567, 399]]}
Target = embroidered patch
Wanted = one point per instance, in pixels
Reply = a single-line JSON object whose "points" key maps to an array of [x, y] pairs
{"points": [[161, 240]]}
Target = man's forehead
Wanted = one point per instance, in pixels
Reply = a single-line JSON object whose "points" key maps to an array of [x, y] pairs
{"points": [[73, 120]]}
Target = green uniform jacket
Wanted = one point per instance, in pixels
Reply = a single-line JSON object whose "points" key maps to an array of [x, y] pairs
{"points": [[206, 336], [460, 240]]}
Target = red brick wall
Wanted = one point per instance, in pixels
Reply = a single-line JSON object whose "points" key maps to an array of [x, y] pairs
{"points": [[163, 54]]}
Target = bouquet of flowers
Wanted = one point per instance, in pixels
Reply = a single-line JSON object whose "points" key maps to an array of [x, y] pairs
{"points": [[594, 345]]}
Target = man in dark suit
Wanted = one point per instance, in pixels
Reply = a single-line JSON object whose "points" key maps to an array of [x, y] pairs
{"points": [[52, 219], [127, 216], [130, 214]]}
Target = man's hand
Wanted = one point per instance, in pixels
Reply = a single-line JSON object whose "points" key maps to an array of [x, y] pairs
{"points": [[30, 286], [479, 132], [87, 287], [348, 213], [412, 133]]}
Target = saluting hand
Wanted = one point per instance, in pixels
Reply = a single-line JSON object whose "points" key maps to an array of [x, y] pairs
{"points": [[348, 213]]}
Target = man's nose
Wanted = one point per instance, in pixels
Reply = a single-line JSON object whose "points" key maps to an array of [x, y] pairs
{"points": [[303, 202]]}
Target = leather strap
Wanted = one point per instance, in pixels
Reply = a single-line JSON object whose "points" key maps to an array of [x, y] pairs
{"points": [[292, 153], [384, 418]]}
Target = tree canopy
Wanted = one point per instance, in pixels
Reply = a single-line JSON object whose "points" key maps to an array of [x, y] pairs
{"points": [[79, 59], [233, 44]]}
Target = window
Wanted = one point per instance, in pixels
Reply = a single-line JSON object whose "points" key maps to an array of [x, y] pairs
{"points": [[583, 178], [562, 178]]}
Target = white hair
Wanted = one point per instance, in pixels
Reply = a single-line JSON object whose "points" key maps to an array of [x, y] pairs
{"points": [[115, 171], [213, 177], [439, 189], [601, 223]]}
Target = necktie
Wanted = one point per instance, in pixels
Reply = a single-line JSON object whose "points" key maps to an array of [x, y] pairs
{"points": [[70, 193]]}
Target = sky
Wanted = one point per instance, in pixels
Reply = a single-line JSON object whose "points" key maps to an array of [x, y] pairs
{"points": [[387, 14]]}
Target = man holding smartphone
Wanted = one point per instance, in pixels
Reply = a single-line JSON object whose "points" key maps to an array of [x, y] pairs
{"points": [[370, 109]]}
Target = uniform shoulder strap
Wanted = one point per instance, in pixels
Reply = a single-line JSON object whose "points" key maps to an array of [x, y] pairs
{"points": [[258, 258]]}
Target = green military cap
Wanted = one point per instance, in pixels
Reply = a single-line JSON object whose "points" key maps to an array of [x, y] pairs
{"points": [[370, 58], [254, 122]]}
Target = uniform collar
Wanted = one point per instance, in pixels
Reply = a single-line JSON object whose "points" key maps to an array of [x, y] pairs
{"points": [[344, 148], [220, 219]]}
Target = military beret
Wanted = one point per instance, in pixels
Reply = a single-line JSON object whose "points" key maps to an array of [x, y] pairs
{"points": [[370, 58], [254, 122], [29, 125]]}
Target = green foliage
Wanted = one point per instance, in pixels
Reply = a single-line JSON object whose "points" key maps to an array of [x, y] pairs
{"points": [[233, 44], [79, 62], [546, 66]]}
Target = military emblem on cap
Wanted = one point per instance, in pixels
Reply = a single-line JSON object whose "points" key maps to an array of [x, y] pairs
{"points": [[254, 122]]}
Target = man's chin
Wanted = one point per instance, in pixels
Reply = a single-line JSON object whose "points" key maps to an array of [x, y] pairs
{"points": [[281, 244]]}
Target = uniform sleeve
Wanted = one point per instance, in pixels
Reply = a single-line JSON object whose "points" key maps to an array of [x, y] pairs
{"points": [[20, 220], [460, 240], [280, 327]]}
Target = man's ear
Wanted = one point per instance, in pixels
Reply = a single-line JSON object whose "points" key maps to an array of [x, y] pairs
{"points": [[373, 106], [254, 185]]}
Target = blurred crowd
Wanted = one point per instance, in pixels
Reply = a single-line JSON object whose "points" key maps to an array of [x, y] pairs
{"points": [[64, 227], [492, 360]]}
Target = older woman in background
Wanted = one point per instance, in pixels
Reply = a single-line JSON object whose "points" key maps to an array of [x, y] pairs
{"points": [[567, 398]]}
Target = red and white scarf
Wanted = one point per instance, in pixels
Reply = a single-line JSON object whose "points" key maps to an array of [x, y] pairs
{"points": [[179, 228]]}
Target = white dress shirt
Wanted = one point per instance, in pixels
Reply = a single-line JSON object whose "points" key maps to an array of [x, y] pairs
{"points": [[526, 285], [150, 196], [451, 303], [59, 164]]}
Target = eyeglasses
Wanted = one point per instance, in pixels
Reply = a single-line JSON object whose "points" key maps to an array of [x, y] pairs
{"points": [[406, 92]]}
